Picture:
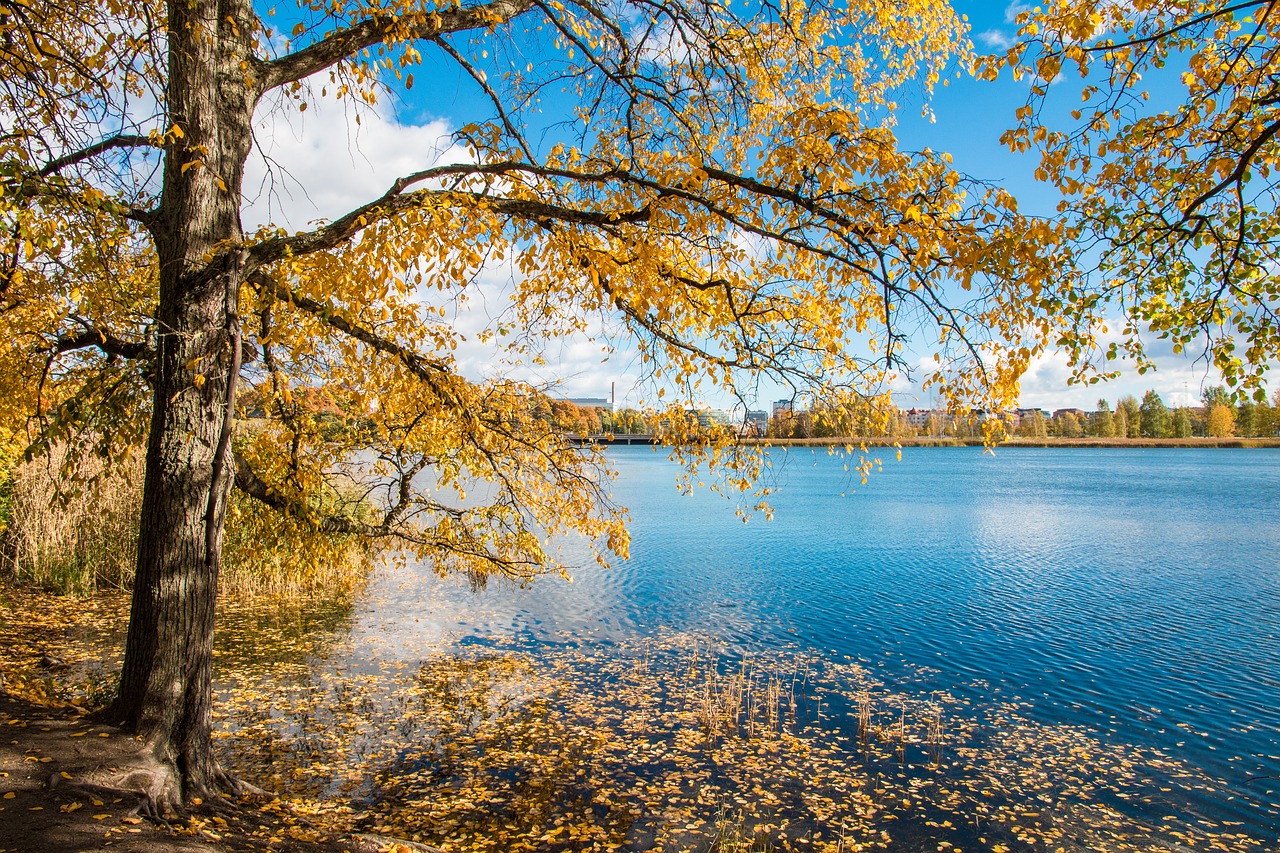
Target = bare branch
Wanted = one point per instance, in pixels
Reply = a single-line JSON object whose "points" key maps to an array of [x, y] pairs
{"points": [[123, 140], [479, 77], [346, 43], [91, 336]]}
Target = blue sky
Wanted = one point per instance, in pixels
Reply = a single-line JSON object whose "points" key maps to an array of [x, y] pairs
{"points": [[326, 164]]}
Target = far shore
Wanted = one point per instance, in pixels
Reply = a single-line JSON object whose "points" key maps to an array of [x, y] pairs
{"points": [[951, 441]]}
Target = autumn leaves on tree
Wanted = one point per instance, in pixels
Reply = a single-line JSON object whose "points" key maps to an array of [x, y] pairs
{"points": [[1167, 169], [721, 183]]}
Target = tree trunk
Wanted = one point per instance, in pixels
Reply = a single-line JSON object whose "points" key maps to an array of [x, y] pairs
{"points": [[165, 686]]}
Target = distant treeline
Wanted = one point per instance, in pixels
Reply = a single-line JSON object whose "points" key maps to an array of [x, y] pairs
{"points": [[1218, 416]]}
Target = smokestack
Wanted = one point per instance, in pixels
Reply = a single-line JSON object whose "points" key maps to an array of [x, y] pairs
{"points": [[613, 396]]}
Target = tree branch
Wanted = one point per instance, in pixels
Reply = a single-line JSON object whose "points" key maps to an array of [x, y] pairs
{"points": [[1162, 34], [494, 98], [425, 369], [345, 43], [123, 140], [248, 482], [344, 228], [92, 336], [1237, 174]]}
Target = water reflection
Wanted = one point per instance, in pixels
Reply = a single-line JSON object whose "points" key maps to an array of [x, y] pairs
{"points": [[1104, 623]]}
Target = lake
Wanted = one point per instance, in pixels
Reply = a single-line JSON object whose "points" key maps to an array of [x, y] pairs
{"points": [[1041, 645]]}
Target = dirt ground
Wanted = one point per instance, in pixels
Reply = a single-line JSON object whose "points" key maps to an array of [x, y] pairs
{"points": [[54, 756], [49, 758]]}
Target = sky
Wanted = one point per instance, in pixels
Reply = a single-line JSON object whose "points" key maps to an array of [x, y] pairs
{"points": [[321, 163]]}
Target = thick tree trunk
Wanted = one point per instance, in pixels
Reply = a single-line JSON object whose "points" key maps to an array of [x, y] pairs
{"points": [[165, 686]]}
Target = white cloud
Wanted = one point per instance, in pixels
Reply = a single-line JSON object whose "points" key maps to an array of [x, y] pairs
{"points": [[1014, 9], [1178, 379], [996, 39], [321, 163]]}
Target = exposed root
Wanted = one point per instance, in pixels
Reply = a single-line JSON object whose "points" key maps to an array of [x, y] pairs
{"points": [[158, 786]]}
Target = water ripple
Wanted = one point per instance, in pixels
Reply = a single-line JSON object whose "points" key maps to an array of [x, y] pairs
{"points": [[1132, 592]]}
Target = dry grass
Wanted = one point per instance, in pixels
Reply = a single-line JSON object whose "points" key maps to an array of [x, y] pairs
{"points": [[72, 528], [74, 539]]}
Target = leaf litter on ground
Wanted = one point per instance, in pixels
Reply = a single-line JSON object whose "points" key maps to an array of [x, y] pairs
{"points": [[673, 742]]}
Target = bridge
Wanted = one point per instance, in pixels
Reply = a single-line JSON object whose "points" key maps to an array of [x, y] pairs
{"points": [[613, 438]]}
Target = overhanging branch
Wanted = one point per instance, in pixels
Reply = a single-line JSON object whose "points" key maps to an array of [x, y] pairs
{"points": [[123, 140], [347, 42], [395, 201], [425, 369], [91, 336]]}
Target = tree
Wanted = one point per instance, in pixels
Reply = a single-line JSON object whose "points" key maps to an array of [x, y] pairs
{"points": [[1182, 423], [1221, 421], [1067, 425], [631, 422], [1168, 168], [1215, 395], [1033, 426], [1155, 416], [1129, 407], [725, 183], [1246, 418], [1101, 424], [1264, 419]]}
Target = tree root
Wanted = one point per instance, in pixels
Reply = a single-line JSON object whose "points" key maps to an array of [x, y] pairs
{"points": [[158, 786]]}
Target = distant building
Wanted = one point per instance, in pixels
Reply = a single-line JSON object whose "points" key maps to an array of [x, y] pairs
{"points": [[707, 417], [920, 417], [1079, 413], [591, 403], [781, 408], [756, 423]]}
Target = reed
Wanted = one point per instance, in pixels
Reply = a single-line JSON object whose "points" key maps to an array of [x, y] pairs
{"points": [[864, 718], [733, 834], [74, 534], [72, 528]]}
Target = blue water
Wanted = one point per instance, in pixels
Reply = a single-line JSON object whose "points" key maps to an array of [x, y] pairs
{"points": [[1135, 592]]}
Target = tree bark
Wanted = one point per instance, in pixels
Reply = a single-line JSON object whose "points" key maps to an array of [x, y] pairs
{"points": [[166, 682]]}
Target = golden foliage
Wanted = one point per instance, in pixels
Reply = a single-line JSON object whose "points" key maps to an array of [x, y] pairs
{"points": [[728, 187], [1168, 171], [674, 743]]}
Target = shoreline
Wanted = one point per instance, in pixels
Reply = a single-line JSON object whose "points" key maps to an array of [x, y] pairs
{"points": [[885, 442]]}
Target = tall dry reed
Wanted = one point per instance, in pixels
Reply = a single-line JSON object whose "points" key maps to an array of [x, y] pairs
{"points": [[73, 521], [73, 529]]}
